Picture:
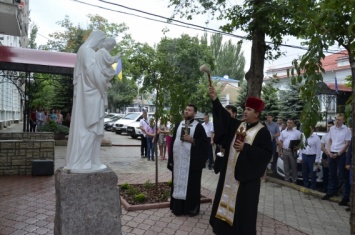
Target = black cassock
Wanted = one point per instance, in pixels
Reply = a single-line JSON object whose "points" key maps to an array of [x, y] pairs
{"points": [[198, 158], [249, 169]]}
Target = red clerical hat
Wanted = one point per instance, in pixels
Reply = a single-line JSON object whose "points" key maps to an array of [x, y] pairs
{"points": [[255, 103]]}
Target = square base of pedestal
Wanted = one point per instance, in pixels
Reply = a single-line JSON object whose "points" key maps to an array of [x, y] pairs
{"points": [[87, 203]]}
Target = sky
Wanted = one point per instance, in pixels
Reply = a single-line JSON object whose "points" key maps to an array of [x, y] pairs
{"points": [[46, 13]]}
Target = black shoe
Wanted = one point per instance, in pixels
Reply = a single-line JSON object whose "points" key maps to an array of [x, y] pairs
{"points": [[209, 168], [343, 202], [327, 196], [347, 209], [148, 159]]}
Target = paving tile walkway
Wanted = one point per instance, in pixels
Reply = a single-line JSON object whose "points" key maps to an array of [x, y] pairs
{"points": [[27, 204]]}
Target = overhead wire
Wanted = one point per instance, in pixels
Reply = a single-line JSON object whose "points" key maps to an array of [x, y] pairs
{"points": [[184, 24], [169, 20]]}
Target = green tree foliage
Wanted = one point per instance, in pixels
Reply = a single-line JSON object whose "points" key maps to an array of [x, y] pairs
{"points": [[229, 58], [269, 96], [33, 35], [171, 71], [201, 97], [328, 23], [259, 19], [69, 40], [241, 99], [290, 104], [121, 94], [348, 81], [72, 37], [176, 70], [44, 89]]}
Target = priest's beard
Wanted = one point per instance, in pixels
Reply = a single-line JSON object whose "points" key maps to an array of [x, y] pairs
{"points": [[189, 117]]}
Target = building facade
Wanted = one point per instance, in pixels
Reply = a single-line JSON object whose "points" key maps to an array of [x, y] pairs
{"points": [[336, 67], [13, 32]]}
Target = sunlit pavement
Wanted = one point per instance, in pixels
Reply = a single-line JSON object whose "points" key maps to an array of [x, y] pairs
{"points": [[27, 204]]}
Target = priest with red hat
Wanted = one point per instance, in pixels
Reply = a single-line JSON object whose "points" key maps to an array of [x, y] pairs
{"points": [[248, 150]]}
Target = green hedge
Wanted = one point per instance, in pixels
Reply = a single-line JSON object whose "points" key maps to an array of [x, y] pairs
{"points": [[52, 126]]}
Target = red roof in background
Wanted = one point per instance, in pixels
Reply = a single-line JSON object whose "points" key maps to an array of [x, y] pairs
{"points": [[341, 87], [30, 60], [330, 62]]}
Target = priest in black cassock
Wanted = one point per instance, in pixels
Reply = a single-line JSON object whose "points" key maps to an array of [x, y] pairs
{"points": [[248, 150], [187, 157]]}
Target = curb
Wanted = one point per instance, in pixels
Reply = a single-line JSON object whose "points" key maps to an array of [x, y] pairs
{"points": [[125, 145], [129, 207], [302, 189]]}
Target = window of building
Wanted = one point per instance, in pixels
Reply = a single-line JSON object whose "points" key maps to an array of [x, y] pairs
{"points": [[343, 61]]}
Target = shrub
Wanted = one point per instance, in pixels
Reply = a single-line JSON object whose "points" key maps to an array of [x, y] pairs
{"points": [[132, 190], [170, 183], [148, 184], [125, 186], [165, 195], [52, 126], [140, 197]]}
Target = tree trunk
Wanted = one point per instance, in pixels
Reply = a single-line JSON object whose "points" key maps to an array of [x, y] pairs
{"points": [[352, 193], [255, 74], [156, 136]]}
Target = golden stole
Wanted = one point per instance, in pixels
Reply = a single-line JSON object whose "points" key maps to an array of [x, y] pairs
{"points": [[226, 207]]}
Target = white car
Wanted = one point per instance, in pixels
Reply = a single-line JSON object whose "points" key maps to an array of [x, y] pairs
{"points": [[134, 129], [280, 166], [121, 125], [108, 117]]}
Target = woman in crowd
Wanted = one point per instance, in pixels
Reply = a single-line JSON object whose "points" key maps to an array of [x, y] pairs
{"points": [[162, 132]]}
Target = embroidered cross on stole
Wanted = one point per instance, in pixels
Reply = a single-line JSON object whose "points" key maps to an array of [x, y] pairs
{"points": [[226, 205]]}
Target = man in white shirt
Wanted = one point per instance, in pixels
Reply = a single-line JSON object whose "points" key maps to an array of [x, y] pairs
{"points": [[143, 123], [311, 156], [279, 123], [324, 147], [286, 153], [339, 139], [208, 126]]}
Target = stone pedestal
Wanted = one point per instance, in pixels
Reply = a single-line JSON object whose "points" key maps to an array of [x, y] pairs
{"points": [[87, 203]]}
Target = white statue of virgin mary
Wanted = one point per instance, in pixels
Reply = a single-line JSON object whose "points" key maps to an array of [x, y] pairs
{"points": [[86, 127]]}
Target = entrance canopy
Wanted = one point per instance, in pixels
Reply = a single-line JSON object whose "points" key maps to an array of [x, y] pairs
{"points": [[38, 61]]}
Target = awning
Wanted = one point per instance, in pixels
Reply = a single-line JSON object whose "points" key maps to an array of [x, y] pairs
{"points": [[39, 61]]}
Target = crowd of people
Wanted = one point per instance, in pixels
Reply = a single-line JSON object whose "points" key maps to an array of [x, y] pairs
{"points": [[39, 117], [330, 151], [244, 148], [151, 134]]}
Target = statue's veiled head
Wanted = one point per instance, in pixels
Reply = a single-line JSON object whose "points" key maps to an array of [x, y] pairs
{"points": [[95, 39]]}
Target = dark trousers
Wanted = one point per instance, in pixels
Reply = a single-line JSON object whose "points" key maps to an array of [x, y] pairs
{"points": [[33, 126], [275, 156], [210, 153], [338, 165], [143, 146], [325, 170], [307, 169]]}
